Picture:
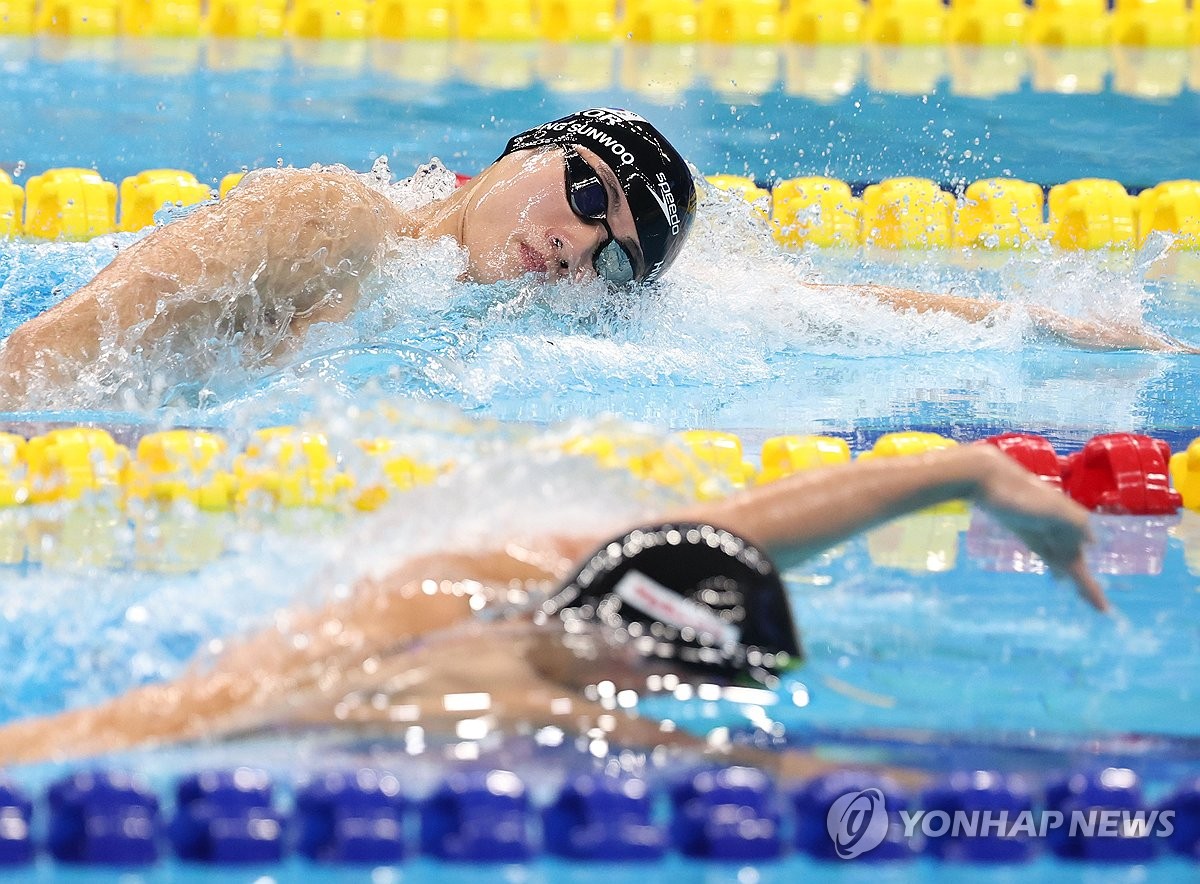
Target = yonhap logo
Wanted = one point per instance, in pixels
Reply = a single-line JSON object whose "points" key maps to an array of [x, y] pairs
{"points": [[857, 822]]}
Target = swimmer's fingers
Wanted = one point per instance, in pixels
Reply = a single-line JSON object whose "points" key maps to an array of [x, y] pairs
{"points": [[1062, 551], [1085, 582], [1051, 524], [1087, 585]]}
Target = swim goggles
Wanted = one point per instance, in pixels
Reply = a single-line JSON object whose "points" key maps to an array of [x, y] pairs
{"points": [[589, 200]]}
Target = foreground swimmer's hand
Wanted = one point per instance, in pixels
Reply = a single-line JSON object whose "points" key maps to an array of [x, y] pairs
{"points": [[1050, 523]]}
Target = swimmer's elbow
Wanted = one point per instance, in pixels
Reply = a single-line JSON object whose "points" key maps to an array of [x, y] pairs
{"points": [[18, 355], [19, 348]]}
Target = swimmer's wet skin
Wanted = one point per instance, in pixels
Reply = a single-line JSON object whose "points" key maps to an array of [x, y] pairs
{"points": [[599, 193], [610, 609]]}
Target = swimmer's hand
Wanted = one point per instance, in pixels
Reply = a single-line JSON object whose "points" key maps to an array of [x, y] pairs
{"points": [[1083, 333], [1050, 523], [1093, 335]]}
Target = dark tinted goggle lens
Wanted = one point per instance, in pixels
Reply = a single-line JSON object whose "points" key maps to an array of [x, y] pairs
{"points": [[589, 200], [585, 190]]}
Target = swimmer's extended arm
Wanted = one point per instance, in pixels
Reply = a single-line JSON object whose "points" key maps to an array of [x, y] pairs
{"points": [[1088, 335], [284, 246], [255, 678], [806, 513]]}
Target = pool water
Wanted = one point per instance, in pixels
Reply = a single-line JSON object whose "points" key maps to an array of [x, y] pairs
{"points": [[921, 648]]}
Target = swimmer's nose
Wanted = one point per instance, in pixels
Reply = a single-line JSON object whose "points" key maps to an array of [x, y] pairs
{"points": [[573, 253], [565, 261]]}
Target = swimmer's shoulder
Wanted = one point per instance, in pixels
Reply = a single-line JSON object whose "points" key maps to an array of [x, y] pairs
{"points": [[326, 196]]}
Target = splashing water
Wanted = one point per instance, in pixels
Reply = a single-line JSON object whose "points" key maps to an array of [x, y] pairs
{"points": [[75, 635]]}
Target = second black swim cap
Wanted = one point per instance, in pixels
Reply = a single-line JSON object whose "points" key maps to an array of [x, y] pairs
{"points": [[655, 178], [685, 592]]}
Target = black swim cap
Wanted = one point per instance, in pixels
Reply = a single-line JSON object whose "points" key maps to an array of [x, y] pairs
{"points": [[685, 592], [655, 178]]}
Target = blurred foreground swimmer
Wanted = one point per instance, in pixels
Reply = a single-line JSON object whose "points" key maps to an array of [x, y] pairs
{"points": [[598, 193], [533, 624]]}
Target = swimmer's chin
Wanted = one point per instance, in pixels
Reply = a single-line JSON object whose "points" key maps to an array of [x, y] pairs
{"points": [[493, 276], [489, 275]]}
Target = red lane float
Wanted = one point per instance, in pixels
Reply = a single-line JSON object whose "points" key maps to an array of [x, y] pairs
{"points": [[1122, 473], [1033, 452], [1114, 473]]}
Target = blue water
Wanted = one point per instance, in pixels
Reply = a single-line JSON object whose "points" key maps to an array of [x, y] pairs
{"points": [[212, 108], [969, 666]]}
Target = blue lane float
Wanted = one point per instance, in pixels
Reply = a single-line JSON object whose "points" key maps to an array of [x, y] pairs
{"points": [[831, 801], [992, 798], [16, 845], [105, 818], [730, 815], [600, 818], [736, 814], [351, 817], [227, 817]]}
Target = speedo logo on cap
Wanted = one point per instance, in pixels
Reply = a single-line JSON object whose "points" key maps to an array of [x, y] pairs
{"points": [[669, 607], [666, 202]]}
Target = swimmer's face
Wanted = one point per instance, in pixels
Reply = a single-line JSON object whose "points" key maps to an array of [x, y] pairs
{"points": [[518, 220]]}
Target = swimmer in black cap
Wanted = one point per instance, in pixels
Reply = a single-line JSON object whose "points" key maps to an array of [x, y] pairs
{"points": [[527, 631], [599, 193], [687, 594]]}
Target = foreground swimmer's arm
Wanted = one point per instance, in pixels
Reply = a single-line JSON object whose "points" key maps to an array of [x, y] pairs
{"points": [[803, 514], [254, 677], [301, 671], [1086, 334], [285, 248]]}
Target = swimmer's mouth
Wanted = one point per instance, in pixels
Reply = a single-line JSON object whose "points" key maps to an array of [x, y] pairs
{"points": [[532, 261]]}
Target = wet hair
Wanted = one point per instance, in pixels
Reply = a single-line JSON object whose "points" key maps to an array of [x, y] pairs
{"points": [[656, 180], [688, 593]]}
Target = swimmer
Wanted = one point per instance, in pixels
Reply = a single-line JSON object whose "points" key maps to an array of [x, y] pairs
{"points": [[599, 193], [388, 653]]}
